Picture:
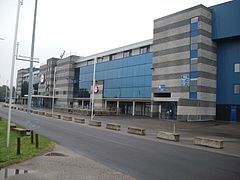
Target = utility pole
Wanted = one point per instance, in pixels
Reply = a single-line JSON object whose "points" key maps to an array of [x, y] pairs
{"points": [[30, 84], [12, 71]]}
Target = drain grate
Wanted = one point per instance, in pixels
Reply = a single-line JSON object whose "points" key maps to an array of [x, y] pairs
{"points": [[55, 154]]}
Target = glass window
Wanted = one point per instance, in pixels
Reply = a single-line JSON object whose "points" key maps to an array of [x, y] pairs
{"points": [[193, 88], [236, 88], [64, 92], [194, 26], [194, 19], [193, 82], [237, 67], [194, 46], [144, 49], [99, 59], [194, 60], [127, 53], [194, 40], [113, 56], [193, 67]]}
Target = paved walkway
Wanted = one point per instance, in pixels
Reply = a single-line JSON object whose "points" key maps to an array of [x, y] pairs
{"points": [[71, 166]]}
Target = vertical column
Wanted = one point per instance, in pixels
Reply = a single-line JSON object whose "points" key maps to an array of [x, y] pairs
{"points": [[160, 111], [82, 104], [105, 105], [117, 107], [133, 109], [151, 110]]}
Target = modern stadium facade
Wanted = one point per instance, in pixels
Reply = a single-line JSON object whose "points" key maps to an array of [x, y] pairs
{"points": [[189, 71]]}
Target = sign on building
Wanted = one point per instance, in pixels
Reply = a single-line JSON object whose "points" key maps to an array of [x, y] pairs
{"points": [[162, 87], [185, 79]]}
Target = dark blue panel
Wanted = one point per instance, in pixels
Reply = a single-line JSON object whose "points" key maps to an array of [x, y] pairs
{"points": [[193, 95], [225, 20], [194, 33], [123, 78], [228, 53], [193, 74], [194, 53]]}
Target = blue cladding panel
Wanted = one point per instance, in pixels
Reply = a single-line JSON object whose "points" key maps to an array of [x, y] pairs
{"points": [[194, 33], [193, 95], [193, 74], [228, 53], [225, 20], [194, 54], [129, 77]]}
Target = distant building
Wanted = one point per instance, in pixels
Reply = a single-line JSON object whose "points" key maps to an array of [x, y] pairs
{"points": [[23, 75]]}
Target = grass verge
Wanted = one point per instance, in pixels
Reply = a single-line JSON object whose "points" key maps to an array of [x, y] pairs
{"points": [[9, 155]]}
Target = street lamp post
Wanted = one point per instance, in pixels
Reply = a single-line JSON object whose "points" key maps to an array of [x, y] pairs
{"points": [[30, 84], [12, 71], [54, 86], [93, 86]]}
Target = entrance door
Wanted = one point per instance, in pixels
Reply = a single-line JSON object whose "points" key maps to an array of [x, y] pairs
{"points": [[125, 107], [233, 114], [169, 110]]}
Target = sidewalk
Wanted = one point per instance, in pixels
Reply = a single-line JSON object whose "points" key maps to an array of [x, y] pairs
{"points": [[64, 165], [227, 131]]}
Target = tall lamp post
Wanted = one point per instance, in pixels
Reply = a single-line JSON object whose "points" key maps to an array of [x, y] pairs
{"points": [[30, 84], [54, 87], [93, 86], [12, 71]]}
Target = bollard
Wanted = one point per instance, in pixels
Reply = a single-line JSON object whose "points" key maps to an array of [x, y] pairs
{"points": [[18, 145], [32, 137], [36, 139]]}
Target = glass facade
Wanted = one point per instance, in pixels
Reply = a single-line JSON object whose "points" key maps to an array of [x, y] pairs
{"points": [[193, 58], [129, 77]]}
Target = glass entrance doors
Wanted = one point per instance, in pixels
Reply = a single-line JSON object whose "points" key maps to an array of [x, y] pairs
{"points": [[169, 110]]}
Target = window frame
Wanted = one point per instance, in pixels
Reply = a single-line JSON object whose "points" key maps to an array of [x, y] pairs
{"points": [[234, 67], [236, 93]]}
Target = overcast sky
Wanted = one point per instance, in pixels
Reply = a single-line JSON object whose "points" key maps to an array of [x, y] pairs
{"points": [[80, 26]]}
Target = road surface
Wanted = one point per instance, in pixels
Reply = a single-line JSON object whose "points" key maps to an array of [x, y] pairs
{"points": [[134, 156]]}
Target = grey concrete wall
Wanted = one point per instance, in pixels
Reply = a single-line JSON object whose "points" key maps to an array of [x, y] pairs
{"points": [[171, 59], [64, 81]]}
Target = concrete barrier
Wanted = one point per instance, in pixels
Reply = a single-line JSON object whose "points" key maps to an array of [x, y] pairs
{"points": [[42, 113], [137, 131], [112, 126], [168, 136], [13, 125], [67, 118], [47, 114], [79, 120], [35, 112], [209, 142], [95, 123], [57, 116]]}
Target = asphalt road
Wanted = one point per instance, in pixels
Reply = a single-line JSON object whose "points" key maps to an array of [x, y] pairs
{"points": [[134, 156]]}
